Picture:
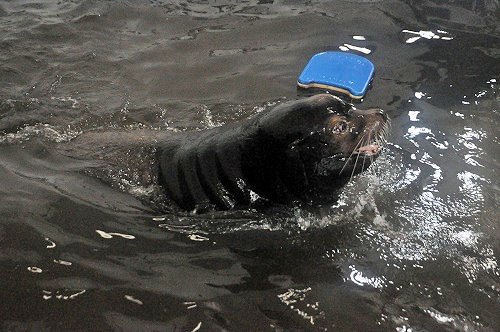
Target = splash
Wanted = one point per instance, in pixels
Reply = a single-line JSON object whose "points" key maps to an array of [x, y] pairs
{"points": [[45, 131]]}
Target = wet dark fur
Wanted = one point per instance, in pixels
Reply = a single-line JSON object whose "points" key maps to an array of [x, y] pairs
{"points": [[300, 151]]}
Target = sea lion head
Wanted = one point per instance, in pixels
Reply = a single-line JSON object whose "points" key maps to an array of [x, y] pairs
{"points": [[323, 141]]}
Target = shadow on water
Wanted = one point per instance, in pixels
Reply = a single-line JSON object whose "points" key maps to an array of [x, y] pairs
{"points": [[412, 244]]}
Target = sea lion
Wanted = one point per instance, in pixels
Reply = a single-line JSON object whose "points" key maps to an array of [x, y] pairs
{"points": [[302, 150]]}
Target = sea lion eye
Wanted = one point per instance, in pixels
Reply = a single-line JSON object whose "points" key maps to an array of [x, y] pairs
{"points": [[339, 127]]}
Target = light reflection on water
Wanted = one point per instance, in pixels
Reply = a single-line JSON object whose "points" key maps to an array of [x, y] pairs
{"points": [[433, 219], [296, 300], [359, 279], [411, 209]]}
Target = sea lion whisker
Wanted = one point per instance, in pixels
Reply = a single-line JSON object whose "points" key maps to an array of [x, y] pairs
{"points": [[354, 168], [372, 169], [379, 141], [353, 151], [363, 166], [387, 129], [367, 141], [371, 156], [383, 135]]}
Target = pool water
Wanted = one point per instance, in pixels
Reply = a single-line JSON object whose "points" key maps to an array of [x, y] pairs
{"points": [[412, 245]]}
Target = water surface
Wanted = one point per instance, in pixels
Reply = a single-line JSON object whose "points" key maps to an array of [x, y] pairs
{"points": [[412, 245]]}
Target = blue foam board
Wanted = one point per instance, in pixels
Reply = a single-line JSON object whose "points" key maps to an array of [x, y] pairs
{"points": [[338, 71]]}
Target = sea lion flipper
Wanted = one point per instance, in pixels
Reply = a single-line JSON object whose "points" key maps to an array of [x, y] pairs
{"points": [[210, 180]]}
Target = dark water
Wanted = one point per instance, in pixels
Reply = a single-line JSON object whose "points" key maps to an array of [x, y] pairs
{"points": [[413, 245]]}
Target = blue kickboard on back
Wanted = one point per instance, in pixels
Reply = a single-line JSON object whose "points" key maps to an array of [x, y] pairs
{"points": [[339, 71]]}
